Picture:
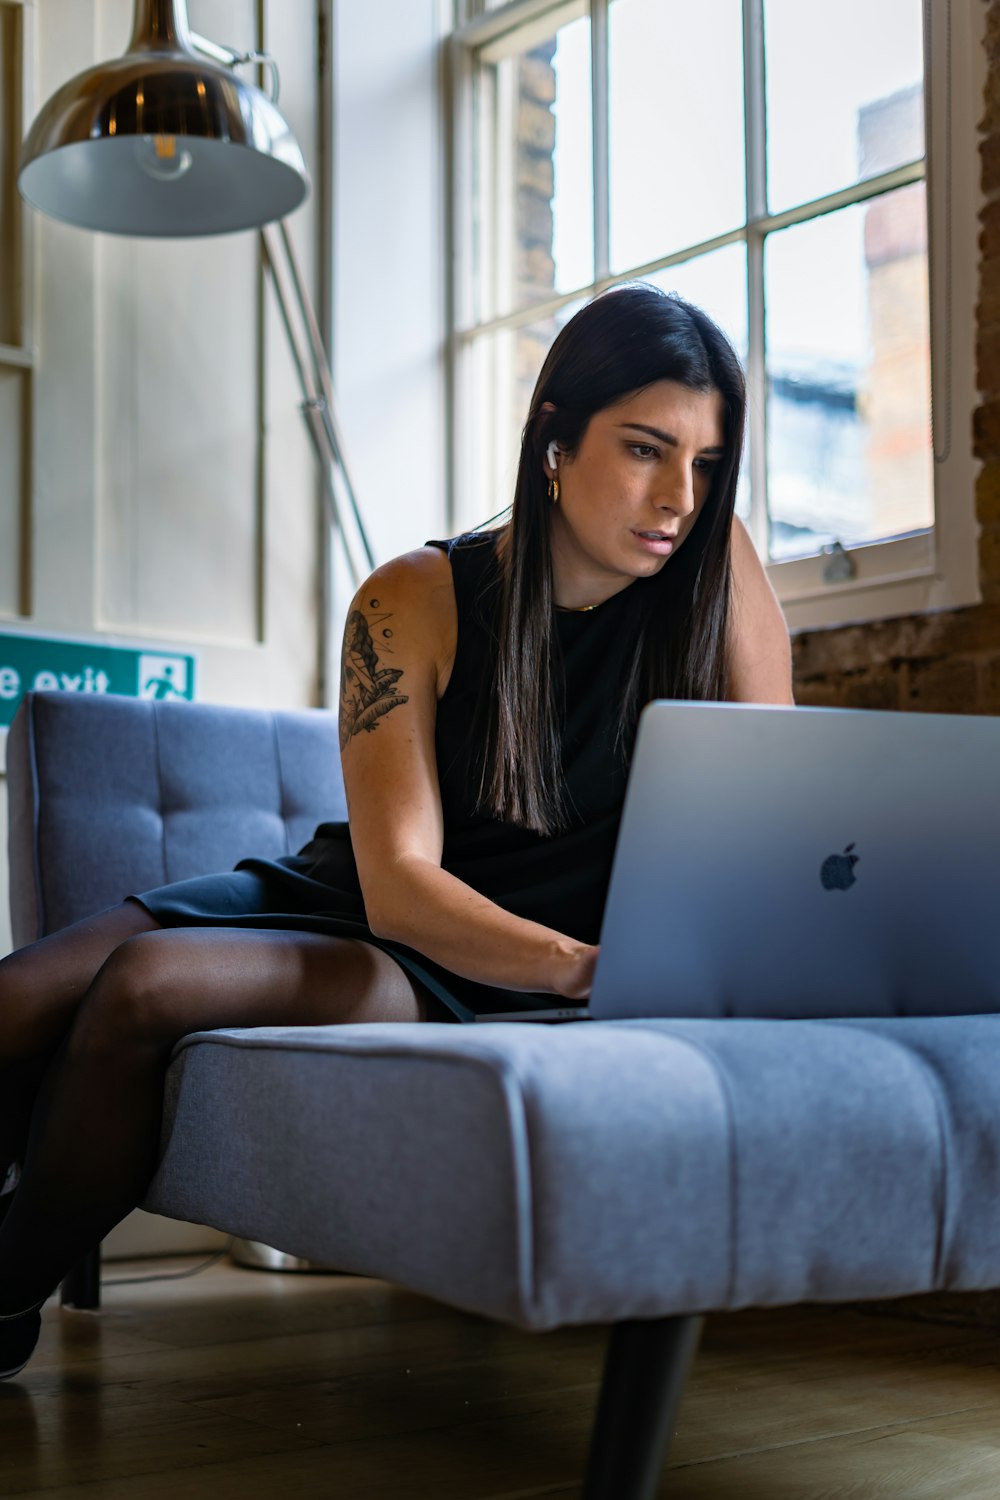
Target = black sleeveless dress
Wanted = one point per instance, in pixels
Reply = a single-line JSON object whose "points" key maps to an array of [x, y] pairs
{"points": [[560, 881]]}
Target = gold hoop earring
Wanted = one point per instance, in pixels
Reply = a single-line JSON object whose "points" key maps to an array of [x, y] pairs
{"points": [[554, 491]]}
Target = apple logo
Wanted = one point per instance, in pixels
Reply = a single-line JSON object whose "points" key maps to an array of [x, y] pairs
{"points": [[838, 870]]}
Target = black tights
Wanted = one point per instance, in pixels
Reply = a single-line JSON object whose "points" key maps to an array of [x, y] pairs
{"points": [[88, 1020]]}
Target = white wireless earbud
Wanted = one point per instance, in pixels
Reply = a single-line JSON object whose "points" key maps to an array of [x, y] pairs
{"points": [[552, 453]]}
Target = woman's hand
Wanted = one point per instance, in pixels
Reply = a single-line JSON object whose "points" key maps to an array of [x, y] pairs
{"points": [[574, 970]]}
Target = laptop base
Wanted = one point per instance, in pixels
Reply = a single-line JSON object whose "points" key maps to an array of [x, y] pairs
{"points": [[555, 1013]]}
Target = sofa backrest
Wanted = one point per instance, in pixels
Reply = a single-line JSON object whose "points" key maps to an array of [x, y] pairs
{"points": [[110, 796]]}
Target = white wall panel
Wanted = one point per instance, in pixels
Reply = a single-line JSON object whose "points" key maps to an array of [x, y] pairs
{"points": [[177, 362], [11, 51], [389, 316], [292, 528], [13, 393]]}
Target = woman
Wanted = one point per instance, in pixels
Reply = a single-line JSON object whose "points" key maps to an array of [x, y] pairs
{"points": [[490, 691]]}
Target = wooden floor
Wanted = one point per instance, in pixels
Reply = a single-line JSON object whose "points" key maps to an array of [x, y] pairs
{"points": [[248, 1384]]}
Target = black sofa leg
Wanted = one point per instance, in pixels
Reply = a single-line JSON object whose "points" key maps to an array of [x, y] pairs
{"points": [[82, 1287], [645, 1369]]}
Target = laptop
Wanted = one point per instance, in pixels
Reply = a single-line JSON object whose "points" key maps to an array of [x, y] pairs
{"points": [[801, 862]]}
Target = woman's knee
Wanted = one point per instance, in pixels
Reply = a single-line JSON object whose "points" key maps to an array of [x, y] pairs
{"points": [[43, 984], [128, 1002]]}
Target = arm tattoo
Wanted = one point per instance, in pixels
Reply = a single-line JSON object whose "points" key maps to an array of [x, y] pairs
{"points": [[367, 691]]}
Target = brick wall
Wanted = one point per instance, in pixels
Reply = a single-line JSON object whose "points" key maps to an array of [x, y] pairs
{"points": [[948, 662], [536, 139]]}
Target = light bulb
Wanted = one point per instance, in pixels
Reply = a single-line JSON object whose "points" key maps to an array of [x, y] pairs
{"points": [[159, 157]]}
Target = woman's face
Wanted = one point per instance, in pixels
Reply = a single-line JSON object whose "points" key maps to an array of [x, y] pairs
{"points": [[630, 494]]}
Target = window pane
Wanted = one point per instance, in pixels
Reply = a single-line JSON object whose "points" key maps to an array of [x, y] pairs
{"points": [[534, 154], [505, 368], [676, 126], [844, 94], [848, 366], [718, 283]]}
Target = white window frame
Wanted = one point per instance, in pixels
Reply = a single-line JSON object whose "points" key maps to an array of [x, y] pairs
{"points": [[926, 571]]}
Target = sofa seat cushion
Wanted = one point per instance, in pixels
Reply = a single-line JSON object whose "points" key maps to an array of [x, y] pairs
{"points": [[592, 1172]]}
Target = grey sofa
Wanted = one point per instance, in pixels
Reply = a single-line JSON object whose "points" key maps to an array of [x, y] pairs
{"points": [[638, 1174]]}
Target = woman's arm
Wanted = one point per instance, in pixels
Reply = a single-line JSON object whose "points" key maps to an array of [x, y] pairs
{"points": [[760, 653], [399, 645]]}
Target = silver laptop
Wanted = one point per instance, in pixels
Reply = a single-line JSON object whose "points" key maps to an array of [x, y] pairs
{"points": [[802, 862]]}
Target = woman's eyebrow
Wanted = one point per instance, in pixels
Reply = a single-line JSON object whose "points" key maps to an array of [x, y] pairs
{"points": [[665, 437]]}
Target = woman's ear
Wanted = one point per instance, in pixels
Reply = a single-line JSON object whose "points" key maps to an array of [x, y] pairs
{"points": [[552, 449]]}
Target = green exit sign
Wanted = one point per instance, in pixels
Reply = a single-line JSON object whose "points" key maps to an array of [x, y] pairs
{"points": [[46, 663]]}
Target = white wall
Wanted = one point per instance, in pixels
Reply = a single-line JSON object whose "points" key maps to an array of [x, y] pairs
{"points": [[389, 290]]}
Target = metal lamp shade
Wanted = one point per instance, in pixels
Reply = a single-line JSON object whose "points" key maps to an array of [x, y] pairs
{"points": [[162, 142]]}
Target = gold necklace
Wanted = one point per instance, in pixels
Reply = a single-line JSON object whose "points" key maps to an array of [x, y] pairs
{"points": [[577, 609]]}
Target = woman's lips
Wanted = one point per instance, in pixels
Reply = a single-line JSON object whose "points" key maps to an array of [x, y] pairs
{"points": [[654, 542]]}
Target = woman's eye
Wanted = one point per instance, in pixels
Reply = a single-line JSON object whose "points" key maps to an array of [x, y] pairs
{"points": [[643, 450], [706, 464]]}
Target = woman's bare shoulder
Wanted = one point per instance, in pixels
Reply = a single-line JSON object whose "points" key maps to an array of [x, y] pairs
{"points": [[417, 591], [413, 573]]}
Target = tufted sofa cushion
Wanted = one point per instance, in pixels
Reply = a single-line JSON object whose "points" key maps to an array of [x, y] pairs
{"points": [[130, 795], [600, 1171]]}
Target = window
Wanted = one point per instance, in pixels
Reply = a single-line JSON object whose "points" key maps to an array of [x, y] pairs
{"points": [[766, 159]]}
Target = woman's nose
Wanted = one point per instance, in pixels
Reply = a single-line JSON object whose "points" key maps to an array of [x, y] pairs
{"points": [[677, 492]]}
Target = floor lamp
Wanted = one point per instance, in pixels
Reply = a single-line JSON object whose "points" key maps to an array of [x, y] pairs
{"points": [[169, 141]]}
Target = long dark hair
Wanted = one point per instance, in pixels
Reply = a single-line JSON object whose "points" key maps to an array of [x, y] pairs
{"points": [[621, 342]]}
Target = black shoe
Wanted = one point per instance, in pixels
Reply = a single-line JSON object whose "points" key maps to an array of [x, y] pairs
{"points": [[18, 1337]]}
